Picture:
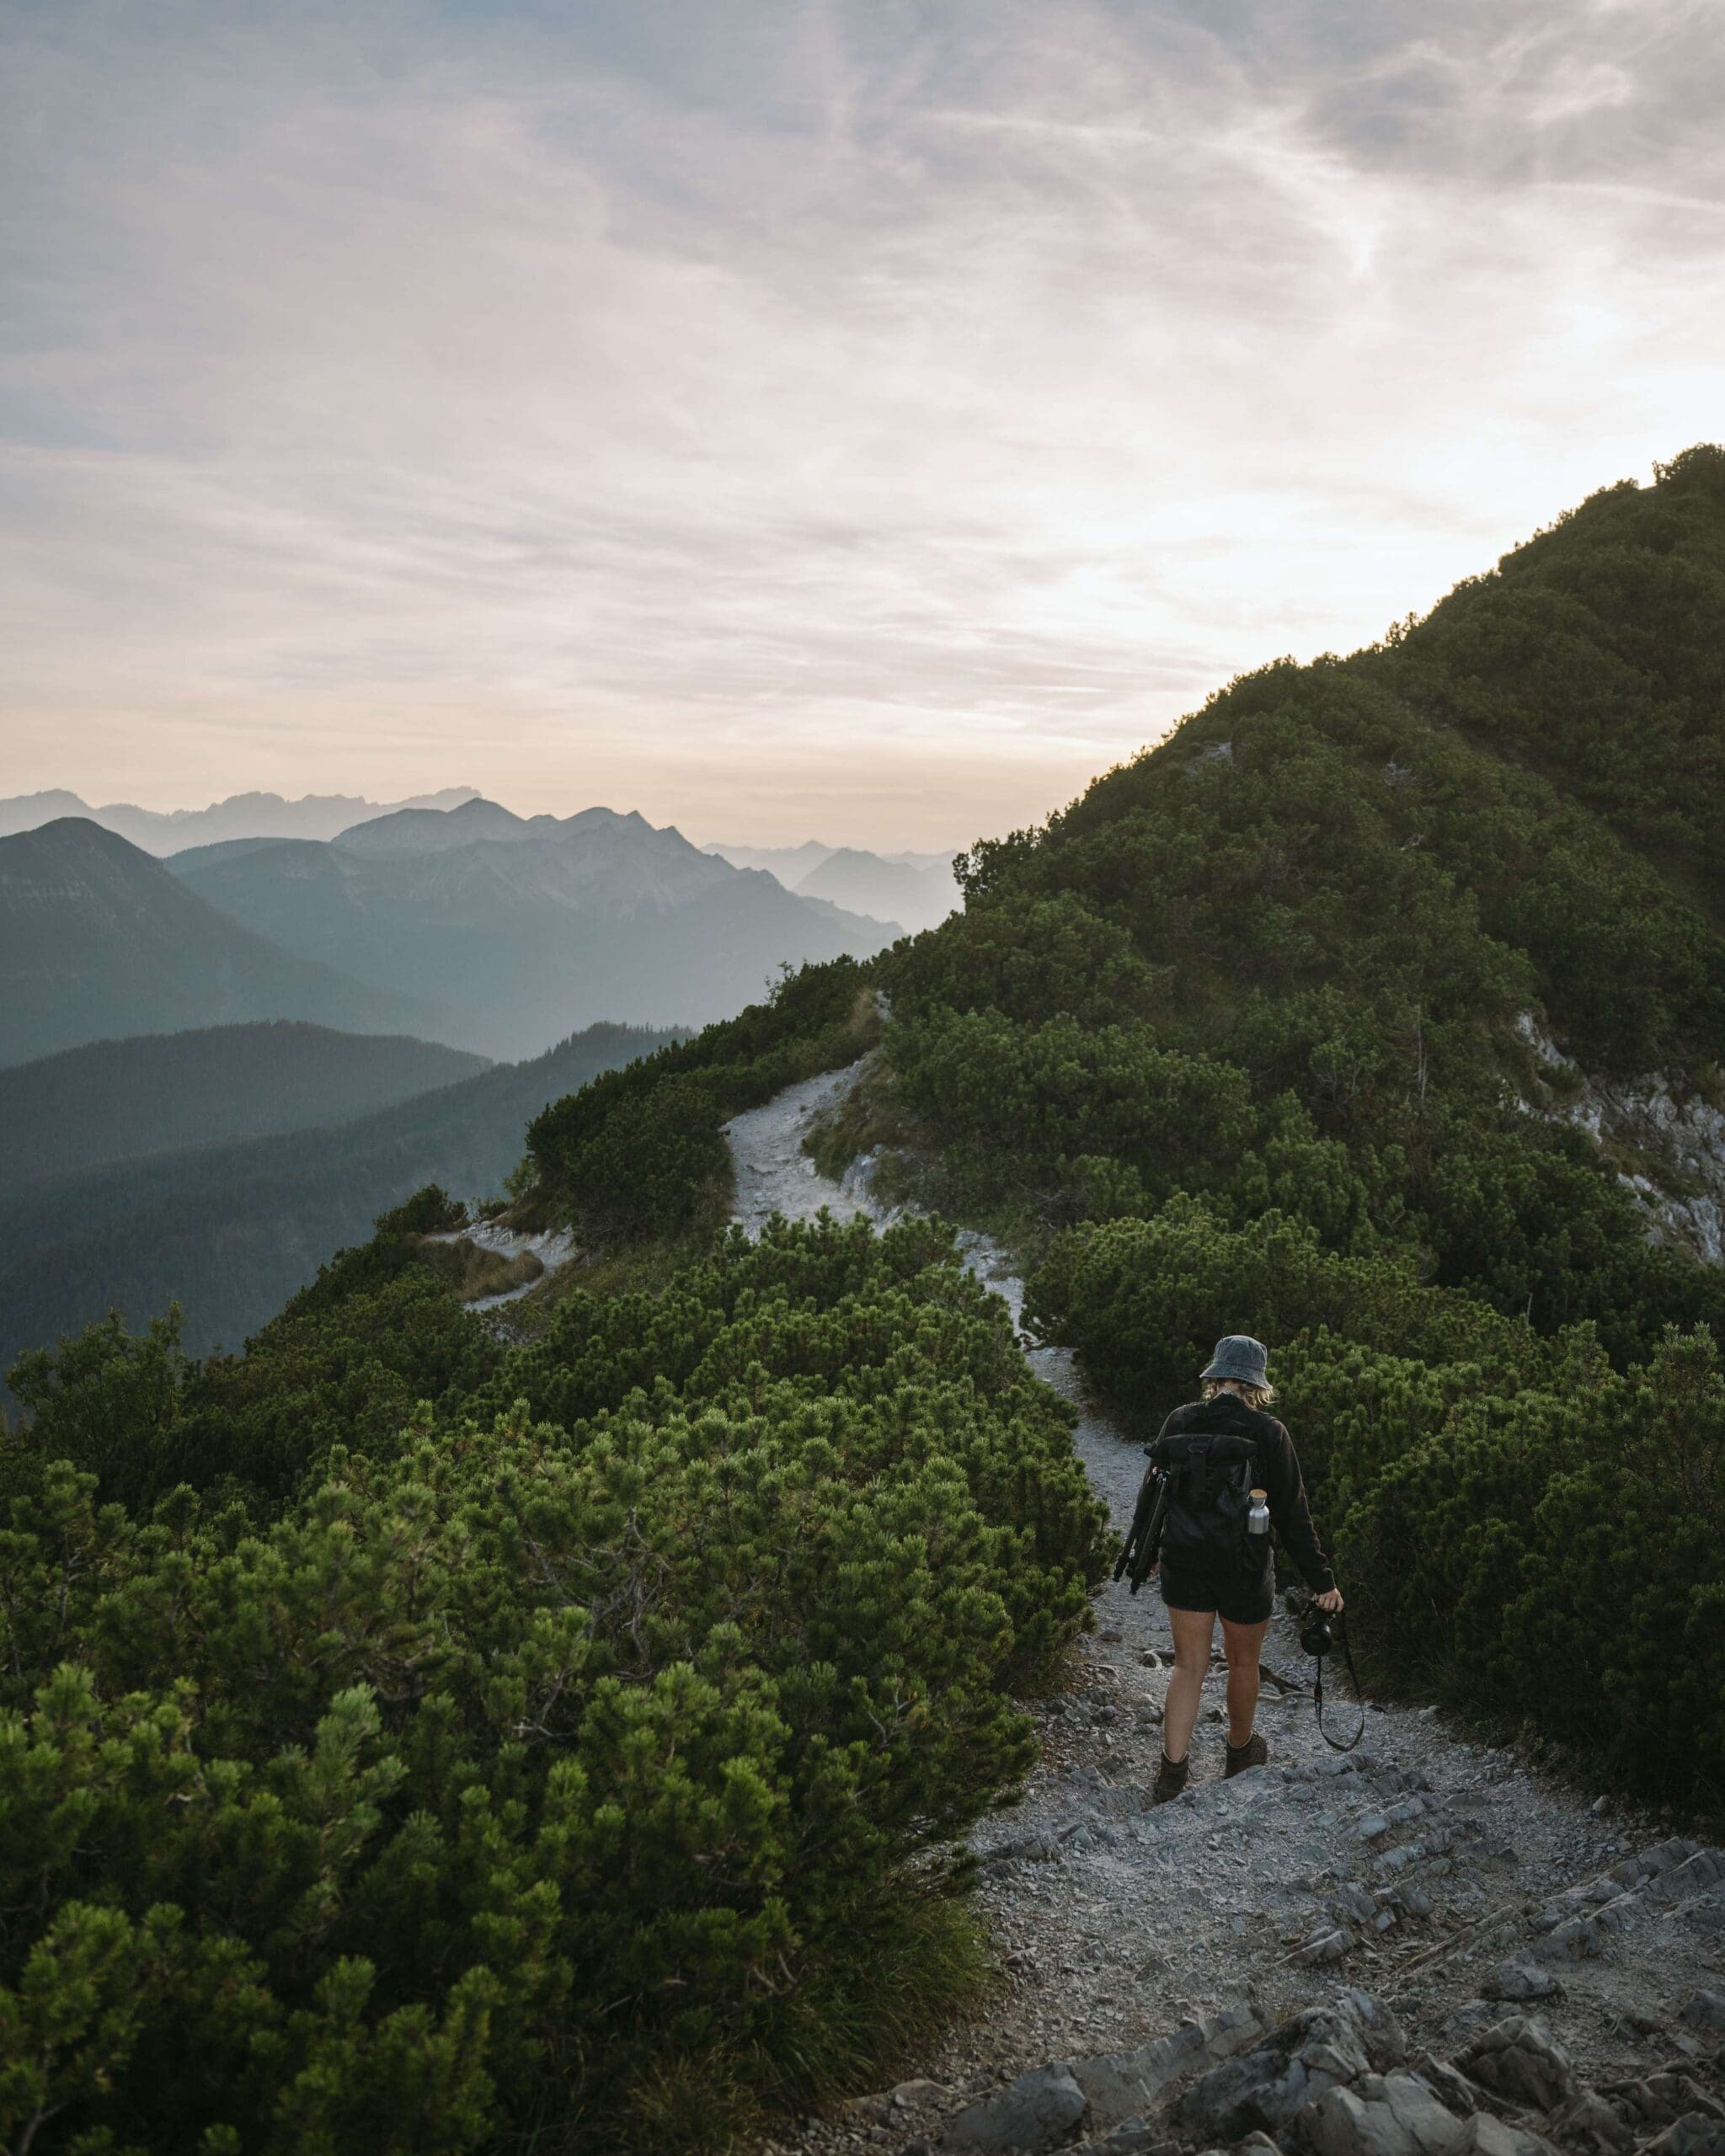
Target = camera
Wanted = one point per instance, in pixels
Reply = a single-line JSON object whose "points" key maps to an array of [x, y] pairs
{"points": [[1315, 1636]]}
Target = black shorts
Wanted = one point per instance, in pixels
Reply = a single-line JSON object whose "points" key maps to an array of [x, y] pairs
{"points": [[1244, 1596]]}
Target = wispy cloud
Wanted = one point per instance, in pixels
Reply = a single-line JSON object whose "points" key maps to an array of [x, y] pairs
{"points": [[866, 417]]}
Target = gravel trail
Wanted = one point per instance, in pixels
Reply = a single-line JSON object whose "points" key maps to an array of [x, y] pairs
{"points": [[1416, 1867], [553, 1247]]}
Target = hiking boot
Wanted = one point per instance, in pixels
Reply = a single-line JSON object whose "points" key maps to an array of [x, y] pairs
{"points": [[1251, 1753], [1169, 1778]]}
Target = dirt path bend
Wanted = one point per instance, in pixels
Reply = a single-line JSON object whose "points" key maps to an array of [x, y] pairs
{"points": [[1417, 1867]]}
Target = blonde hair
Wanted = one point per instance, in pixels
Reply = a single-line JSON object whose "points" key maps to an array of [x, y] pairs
{"points": [[1262, 1397]]}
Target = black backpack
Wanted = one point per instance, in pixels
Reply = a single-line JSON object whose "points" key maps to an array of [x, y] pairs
{"points": [[1211, 1477]]}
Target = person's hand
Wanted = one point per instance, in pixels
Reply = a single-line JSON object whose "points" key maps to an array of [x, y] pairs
{"points": [[1330, 1600]]}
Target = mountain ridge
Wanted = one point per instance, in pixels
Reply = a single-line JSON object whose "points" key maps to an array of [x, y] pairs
{"points": [[101, 940], [240, 816], [532, 923]]}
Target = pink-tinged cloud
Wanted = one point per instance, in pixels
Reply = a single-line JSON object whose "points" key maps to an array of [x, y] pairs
{"points": [[867, 420]]}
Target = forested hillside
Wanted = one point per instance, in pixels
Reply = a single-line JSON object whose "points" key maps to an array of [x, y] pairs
{"points": [[426, 1741], [112, 1099], [229, 1231], [1241, 1041]]}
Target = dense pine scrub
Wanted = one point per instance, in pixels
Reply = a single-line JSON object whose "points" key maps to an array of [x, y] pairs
{"points": [[641, 1153], [1239, 1042], [1520, 1528], [574, 1761], [418, 1741]]}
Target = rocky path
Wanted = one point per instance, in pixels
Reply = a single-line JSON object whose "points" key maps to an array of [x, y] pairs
{"points": [[1443, 1879], [553, 1247]]}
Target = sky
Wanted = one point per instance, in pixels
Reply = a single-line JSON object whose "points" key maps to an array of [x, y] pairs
{"points": [[845, 418]]}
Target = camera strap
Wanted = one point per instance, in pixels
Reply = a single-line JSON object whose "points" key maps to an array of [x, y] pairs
{"points": [[1317, 1696]]}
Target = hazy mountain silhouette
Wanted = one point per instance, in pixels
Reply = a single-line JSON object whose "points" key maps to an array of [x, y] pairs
{"points": [[909, 890], [241, 816], [916, 897], [789, 863], [533, 924], [114, 1099], [100, 940]]}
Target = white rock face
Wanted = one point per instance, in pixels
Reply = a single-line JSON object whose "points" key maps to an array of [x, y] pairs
{"points": [[1648, 1114]]}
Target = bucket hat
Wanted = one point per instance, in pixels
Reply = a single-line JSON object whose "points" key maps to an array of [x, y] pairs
{"points": [[1239, 1357]]}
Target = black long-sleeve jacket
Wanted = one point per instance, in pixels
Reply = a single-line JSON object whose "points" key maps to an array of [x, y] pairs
{"points": [[1277, 1474]]}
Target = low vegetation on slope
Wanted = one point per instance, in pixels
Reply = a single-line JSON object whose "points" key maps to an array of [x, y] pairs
{"points": [[1233, 1044], [430, 1742], [228, 1231], [575, 1759], [1239, 1041], [112, 1100]]}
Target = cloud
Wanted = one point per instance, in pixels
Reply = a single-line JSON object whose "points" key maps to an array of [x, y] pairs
{"points": [[866, 419]]}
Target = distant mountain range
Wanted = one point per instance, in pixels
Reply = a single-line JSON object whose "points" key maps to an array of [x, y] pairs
{"points": [[231, 1230], [162, 1091], [912, 890], [98, 940], [241, 816], [523, 926]]}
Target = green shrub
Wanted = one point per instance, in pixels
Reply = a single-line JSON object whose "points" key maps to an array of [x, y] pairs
{"points": [[640, 1151], [575, 1777]]}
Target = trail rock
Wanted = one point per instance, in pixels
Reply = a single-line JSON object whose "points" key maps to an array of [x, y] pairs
{"points": [[1663, 2098], [1706, 2011], [1133, 2139], [1385, 2114], [1590, 2123], [1521, 1980], [1324, 2048], [1492, 2136], [1119, 2085], [1519, 2058], [1694, 2134], [1452, 2086], [1034, 2113]]}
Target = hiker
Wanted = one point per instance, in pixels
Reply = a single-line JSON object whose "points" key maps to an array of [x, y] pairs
{"points": [[1228, 1460]]}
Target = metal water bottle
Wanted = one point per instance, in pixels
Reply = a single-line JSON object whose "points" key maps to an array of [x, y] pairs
{"points": [[1258, 1520]]}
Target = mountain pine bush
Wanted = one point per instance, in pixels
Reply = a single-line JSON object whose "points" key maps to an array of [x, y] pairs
{"points": [[581, 1759], [416, 1741]]}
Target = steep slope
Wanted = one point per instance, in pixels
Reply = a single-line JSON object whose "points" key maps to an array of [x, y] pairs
{"points": [[112, 1099], [241, 815], [1592, 655], [1296, 1026], [1301, 950], [599, 914], [100, 941], [231, 1230]]}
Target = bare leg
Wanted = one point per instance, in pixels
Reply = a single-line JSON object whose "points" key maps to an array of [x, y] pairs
{"points": [[1243, 1645], [1193, 1631]]}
